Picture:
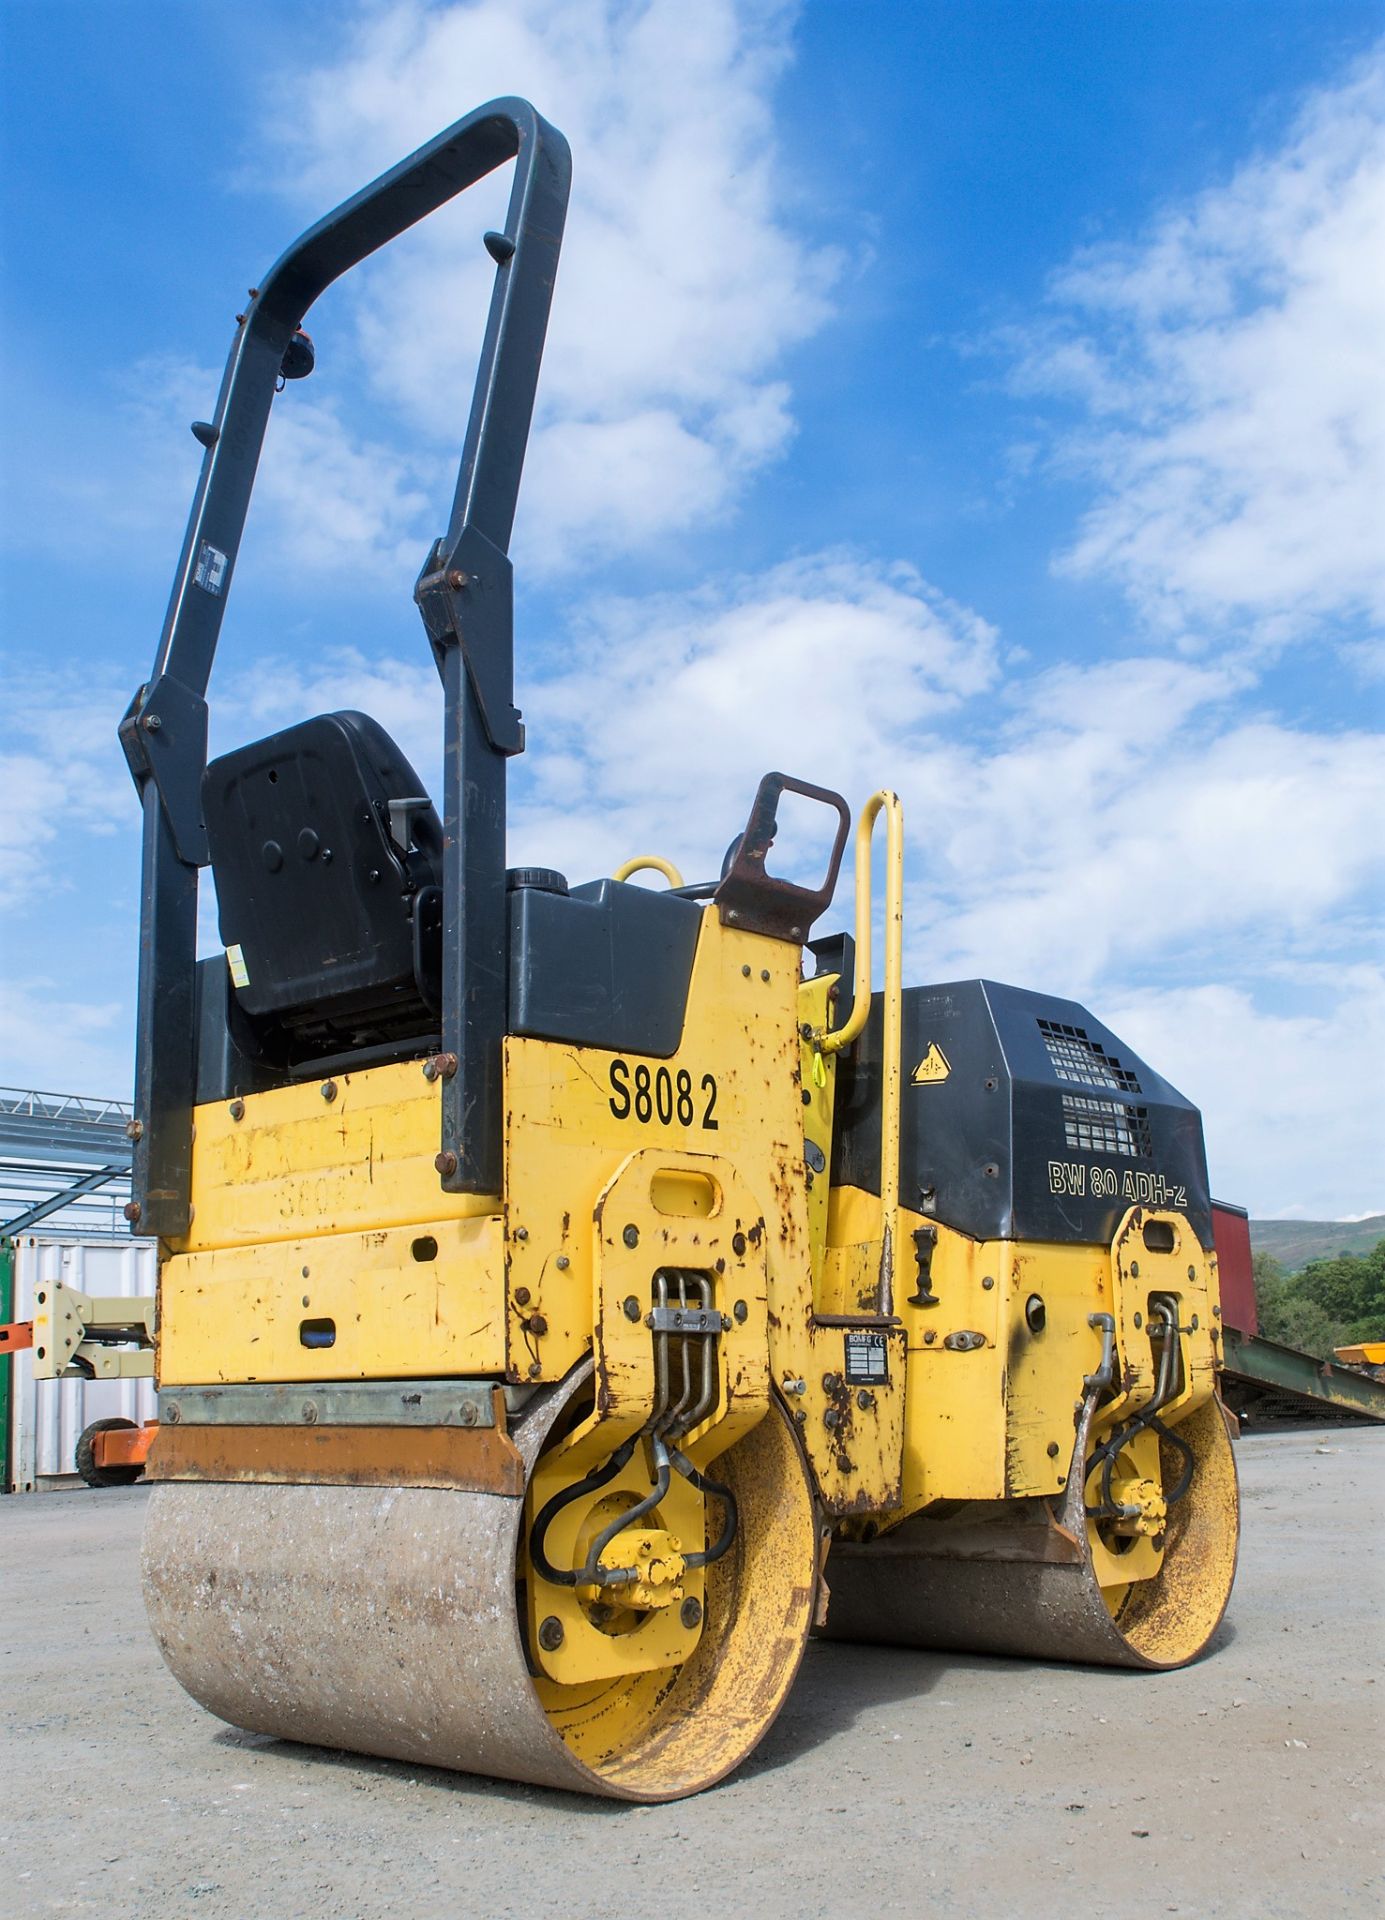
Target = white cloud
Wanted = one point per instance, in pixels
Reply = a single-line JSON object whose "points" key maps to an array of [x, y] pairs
{"points": [[682, 282], [1288, 1100], [1084, 831], [1076, 829], [1143, 833], [271, 692], [62, 774], [1209, 845], [682, 286], [1090, 832], [829, 667], [329, 503], [119, 462], [1229, 366], [95, 1055]]}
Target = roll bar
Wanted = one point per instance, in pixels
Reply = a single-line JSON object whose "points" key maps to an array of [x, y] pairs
{"points": [[465, 594]]}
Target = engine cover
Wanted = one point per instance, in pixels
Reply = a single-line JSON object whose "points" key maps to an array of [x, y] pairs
{"points": [[1024, 1118]]}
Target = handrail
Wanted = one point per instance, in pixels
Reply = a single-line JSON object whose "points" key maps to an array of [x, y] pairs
{"points": [[892, 1039]]}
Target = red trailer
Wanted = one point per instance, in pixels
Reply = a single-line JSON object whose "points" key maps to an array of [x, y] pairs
{"points": [[1231, 1231], [1262, 1380]]}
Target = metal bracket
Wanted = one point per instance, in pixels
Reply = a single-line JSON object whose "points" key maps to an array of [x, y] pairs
{"points": [[309, 1403], [402, 814], [700, 1320], [466, 597], [164, 737]]}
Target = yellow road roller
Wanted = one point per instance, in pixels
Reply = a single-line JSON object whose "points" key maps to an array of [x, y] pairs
{"points": [[573, 1296]]}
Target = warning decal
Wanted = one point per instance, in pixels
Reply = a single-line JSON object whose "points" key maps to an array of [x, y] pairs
{"points": [[933, 1068]]}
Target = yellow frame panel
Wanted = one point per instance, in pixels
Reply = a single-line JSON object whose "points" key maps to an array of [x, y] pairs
{"points": [[295, 1163], [234, 1313]]}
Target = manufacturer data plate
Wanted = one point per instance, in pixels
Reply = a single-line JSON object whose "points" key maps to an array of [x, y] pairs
{"points": [[867, 1360], [210, 572]]}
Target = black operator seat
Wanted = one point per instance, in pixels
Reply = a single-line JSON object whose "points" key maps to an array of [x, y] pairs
{"points": [[327, 858]]}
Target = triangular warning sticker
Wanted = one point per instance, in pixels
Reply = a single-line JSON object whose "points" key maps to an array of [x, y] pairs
{"points": [[932, 1068]]}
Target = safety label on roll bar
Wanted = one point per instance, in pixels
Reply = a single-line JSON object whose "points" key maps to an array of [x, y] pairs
{"points": [[210, 572], [867, 1360]]}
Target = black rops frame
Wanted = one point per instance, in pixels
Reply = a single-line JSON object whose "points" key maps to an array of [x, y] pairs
{"points": [[465, 593]]}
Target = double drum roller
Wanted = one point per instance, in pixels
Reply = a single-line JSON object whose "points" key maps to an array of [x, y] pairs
{"points": [[385, 1619], [573, 1297]]}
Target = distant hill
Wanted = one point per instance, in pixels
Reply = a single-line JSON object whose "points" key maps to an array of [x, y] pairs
{"points": [[1295, 1242]]}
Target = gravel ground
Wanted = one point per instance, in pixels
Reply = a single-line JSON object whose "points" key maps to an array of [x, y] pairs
{"points": [[903, 1782]]}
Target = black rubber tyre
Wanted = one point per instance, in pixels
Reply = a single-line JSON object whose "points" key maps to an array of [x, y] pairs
{"points": [[86, 1457]]}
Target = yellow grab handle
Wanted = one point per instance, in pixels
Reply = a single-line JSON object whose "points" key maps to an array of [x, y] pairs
{"points": [[888, 804], [642, 861], [893, 1037]]}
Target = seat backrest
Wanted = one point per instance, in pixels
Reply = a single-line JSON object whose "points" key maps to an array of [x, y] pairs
{"points": [[327, 858]]}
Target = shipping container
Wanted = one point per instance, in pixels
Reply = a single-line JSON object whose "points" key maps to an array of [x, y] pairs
{"points": [[47, 1416]]}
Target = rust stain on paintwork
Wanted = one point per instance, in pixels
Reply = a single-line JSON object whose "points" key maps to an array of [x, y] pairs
{"points": [[482, 1460]]}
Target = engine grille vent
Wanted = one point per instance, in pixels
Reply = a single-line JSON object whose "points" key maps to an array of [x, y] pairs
{"points": [[1082, 1061], [1106, 1126]]}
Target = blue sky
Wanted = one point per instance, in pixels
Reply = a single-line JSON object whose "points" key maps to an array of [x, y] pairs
{"points": [[983, 399]]}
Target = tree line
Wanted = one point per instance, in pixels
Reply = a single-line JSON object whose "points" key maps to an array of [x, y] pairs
{"points": [[1327, 1304]]}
